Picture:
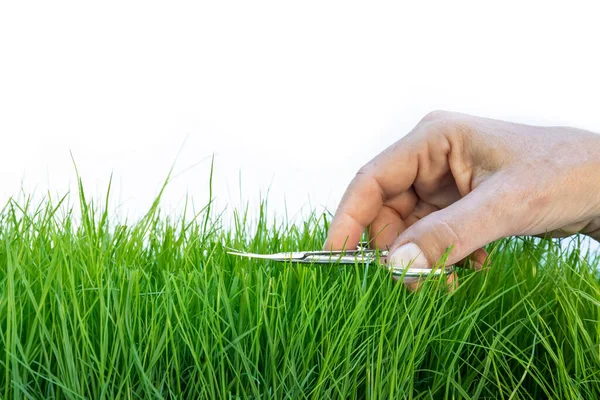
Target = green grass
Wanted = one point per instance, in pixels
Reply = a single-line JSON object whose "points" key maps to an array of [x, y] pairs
{"points": [[156, 309]]}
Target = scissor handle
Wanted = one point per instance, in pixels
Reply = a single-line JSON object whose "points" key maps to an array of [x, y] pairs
{"points": [[400, 272]]}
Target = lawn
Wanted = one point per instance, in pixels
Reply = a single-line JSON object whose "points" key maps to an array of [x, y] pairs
{"points": [[92, 308]]}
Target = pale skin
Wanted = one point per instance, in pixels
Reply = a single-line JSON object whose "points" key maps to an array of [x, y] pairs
{"points": [[462, 181]]}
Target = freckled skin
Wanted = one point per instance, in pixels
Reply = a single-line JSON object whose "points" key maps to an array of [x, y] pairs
{"points": [[465, 181]]}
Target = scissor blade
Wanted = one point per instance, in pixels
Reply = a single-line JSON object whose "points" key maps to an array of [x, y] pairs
{"points": [[339, 258], [291, 256], [315, 257]]}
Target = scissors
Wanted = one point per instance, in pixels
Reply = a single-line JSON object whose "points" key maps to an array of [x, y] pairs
{"points": [[362, 255]]}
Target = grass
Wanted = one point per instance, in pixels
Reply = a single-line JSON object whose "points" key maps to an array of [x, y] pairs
{"points": [[156, 309]]}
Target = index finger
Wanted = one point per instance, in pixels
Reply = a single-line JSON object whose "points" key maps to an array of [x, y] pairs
{"points": [[392, 172]]}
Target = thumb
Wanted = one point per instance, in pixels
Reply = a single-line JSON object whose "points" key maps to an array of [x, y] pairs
{"points": [[466, 225]]}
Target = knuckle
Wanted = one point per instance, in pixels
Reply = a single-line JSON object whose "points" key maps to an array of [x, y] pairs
{"points": [[451, 125], [434, 133], [366, 179], [364, 170], [363, 174], [436, 115]]}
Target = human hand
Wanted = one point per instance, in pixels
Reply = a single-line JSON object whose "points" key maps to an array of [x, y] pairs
{"points": [[464, 181]]}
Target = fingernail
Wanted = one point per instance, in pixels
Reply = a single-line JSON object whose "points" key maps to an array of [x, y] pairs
{"points": [[407, 254], [477, 266]]}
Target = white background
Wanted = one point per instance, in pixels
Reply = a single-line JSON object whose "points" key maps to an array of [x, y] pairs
{"points": [[293, 97]]}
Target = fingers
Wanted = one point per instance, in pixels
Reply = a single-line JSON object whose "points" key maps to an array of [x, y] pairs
{"points": [[477, 258], [389, 174], [593, 229], [358, 208], [385, 228], [466, 226], [396, 214]]}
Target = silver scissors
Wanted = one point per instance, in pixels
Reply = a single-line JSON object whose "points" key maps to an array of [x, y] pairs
{"points": [[362, 255]]}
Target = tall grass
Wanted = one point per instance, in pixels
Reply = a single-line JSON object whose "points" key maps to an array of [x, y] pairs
{"points": [[156, 309]]}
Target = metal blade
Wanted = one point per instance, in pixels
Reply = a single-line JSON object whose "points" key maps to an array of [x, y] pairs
{"points": [[291, 256]]}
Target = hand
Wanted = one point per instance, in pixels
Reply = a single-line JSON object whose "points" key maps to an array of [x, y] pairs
{"points": [[464, 181]]}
